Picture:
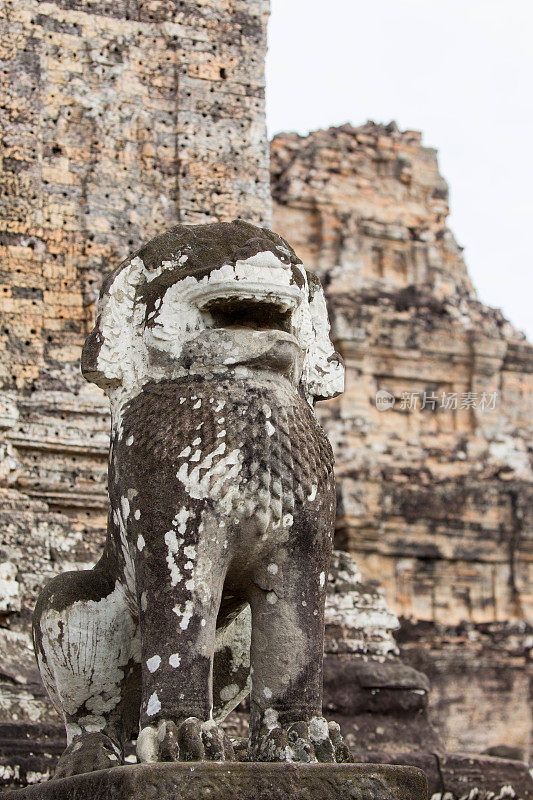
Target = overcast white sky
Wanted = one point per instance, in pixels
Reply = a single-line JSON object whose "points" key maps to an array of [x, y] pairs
{"points": [[461, 71]]}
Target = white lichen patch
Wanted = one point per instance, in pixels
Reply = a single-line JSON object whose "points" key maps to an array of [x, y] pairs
{"points": [[270, 719], [125, 505], [273, 569], [87, 649], [92, 723], [153, 663], [32, 776], [181, 519], [318, 729], [140, 543], [8, 773], [173, 545], [72, 730], [154, 705], [228, 692], [214, 477], [119, 518], [311, 496], [174, 660], [322, 373], [270, 428], [184, 612]]}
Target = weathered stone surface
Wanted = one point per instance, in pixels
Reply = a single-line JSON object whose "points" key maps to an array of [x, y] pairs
{"points": [[229, 781], [358, 619], [379, 701], [461, 772], [435, 490], [462, 775], [480, 679], [29, 752], [453, 775], [362, 673], [118, 119]]}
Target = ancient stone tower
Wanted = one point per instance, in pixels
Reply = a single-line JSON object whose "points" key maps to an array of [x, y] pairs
{"points": [[436, 489], [118, 119]]}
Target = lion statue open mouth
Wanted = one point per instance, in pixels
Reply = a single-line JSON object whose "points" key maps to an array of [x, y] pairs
{"points": [[212, 343]]}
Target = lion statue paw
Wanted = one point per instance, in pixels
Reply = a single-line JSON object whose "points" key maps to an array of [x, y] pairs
{"points": [[307, 742], [188, 740]]}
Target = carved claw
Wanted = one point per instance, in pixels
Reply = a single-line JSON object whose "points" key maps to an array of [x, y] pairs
{"points": [[343, 754], [316, 740], [189, 740], [88, 752], [328, 742]]}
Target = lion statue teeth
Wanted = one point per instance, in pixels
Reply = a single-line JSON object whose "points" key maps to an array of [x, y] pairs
{"points": [[212, 344]]}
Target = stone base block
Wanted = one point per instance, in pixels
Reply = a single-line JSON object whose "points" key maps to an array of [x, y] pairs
{"points": [[235, 781]]}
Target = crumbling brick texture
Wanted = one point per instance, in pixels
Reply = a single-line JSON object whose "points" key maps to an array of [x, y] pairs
{"points": [[434, 501]]}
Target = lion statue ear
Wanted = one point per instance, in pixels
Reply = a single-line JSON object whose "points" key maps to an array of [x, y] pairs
{"points": [[91, 369], [323, 369], [112, 355]]}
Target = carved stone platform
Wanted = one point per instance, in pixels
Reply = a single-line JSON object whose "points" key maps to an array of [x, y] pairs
{"points": [[235, 781]]}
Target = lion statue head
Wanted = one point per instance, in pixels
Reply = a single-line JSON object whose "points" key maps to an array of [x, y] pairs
{"points": [[177, 297]]}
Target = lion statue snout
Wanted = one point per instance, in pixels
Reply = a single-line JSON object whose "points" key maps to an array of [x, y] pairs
{"points": [[187, 281]]}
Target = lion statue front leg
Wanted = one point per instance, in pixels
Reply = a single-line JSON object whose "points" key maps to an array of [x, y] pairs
{"points": [[178, 631], [287, 601]]}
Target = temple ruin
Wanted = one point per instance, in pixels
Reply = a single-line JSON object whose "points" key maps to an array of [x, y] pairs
{"points": [[122, 118]]}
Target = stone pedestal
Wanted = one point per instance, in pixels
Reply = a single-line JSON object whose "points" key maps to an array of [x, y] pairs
{"points": [[236, 781]]}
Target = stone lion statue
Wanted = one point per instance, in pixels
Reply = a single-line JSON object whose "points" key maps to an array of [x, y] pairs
{"points": [[212, 343]]}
